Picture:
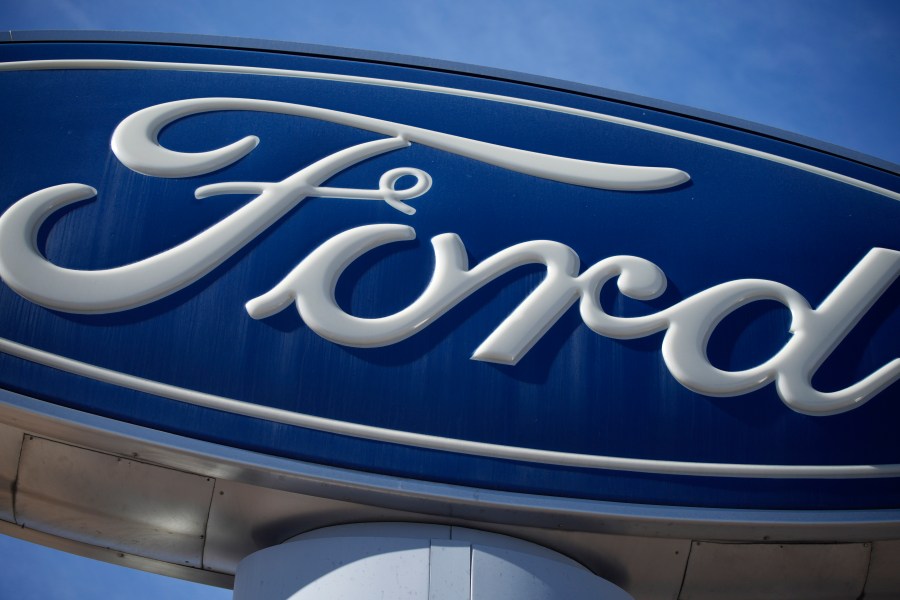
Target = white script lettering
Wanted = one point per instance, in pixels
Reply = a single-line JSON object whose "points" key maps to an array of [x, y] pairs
{"points": [[135, 143], [687, 324]]}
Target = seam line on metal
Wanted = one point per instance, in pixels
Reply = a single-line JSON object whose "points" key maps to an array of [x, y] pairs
{"points": [[111, 64]]}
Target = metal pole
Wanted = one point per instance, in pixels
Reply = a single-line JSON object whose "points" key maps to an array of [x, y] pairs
{"points": [[415, 561]]}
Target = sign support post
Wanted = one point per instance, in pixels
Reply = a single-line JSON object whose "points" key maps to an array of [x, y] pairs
{"points": [[407, 560]]}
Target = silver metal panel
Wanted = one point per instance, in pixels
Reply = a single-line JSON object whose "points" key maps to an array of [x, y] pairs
{"points": [[649, 568], [245, 518], [336, 568], [442, 501], [394, 560], [110, 501], [380, 529], [10, 446], [776, 571], [259, 501], [507, 574], [116, 557], [449, 570], [884, 572]]}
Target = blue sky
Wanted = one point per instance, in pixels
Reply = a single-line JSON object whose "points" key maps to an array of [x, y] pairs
{"points": [[828, 69], [823, 68]]}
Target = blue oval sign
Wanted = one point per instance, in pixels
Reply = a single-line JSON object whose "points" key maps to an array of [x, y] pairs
{"points": [[453, 278]]}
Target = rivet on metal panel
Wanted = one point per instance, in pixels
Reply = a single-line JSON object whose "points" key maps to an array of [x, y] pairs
{"points": [[775, 571], [113, 502]]}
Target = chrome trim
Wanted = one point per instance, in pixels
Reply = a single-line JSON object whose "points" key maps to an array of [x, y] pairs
{"points": [[110, 64], [467, 506], [442, 443]]}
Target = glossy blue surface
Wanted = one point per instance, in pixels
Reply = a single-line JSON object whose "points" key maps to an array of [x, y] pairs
{"points": [[738, 217]]}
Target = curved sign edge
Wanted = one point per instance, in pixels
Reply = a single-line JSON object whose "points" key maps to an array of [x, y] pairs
{"points": [[434, 442]]}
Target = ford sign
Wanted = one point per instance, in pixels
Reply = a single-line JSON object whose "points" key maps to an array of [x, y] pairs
{"points": [[451, 277]]}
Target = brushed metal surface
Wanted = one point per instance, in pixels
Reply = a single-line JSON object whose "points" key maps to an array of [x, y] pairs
{"points": [[10, 447], [111, 501], [648, 568], [116, 557], [508, 569], [441, 501], [883, 582], [450, 570], [776, 571], [244, 518], [394, 560], [68, 489], [337, 567]]}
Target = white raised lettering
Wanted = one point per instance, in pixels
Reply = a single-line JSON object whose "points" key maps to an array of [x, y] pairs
{"points": [[688, 324]]}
